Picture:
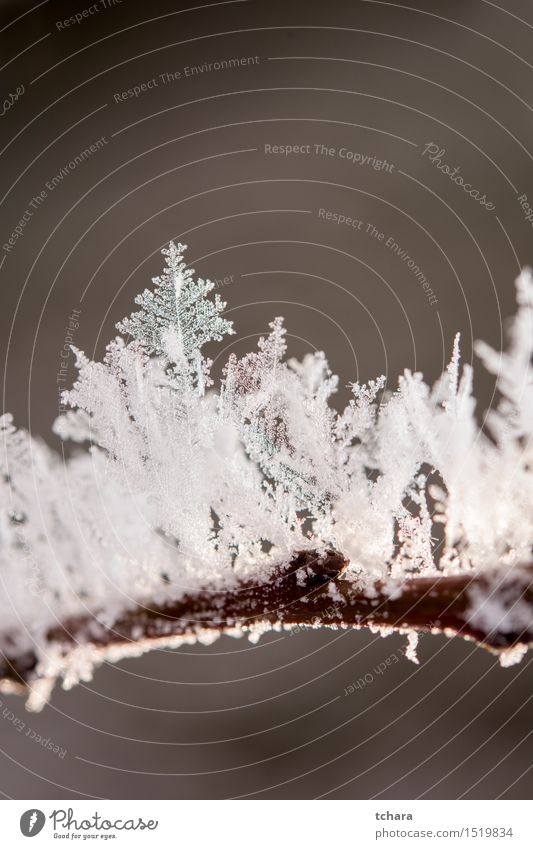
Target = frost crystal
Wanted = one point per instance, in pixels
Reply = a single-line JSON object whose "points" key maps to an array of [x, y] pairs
{"points": [[183, 486], [177, 318]]}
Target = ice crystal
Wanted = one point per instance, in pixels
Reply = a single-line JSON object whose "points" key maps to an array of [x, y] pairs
{"points": [[177, 318], [184, 486]]}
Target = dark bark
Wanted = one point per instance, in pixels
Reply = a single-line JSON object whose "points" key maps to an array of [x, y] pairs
{"points": [[311, 591]]}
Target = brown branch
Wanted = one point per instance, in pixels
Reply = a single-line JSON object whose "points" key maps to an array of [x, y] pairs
{"points": [[311, 591]]}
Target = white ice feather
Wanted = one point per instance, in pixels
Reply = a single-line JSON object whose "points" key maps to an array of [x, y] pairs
{"points": [[182, 488]]}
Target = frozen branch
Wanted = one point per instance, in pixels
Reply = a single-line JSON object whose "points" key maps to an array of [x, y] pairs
{"points": [[193, 510], [492, 608]]}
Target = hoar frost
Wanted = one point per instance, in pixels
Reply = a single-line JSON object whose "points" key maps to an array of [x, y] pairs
{"points": [[182, 486]]}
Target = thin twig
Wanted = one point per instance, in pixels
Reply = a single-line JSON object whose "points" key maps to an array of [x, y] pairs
{"points": [[310, 591]]}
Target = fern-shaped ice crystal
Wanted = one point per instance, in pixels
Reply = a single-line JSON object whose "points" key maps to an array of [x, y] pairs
{"points": [[177, 318]]}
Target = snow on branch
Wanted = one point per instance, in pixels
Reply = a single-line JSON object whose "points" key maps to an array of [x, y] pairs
{"points": [[193, 510]]}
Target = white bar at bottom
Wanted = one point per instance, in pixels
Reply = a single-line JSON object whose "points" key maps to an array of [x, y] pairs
{"points": [[269, 823]]}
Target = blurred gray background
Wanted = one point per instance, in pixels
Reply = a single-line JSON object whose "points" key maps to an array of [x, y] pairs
{"points": [[186, 159]]}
